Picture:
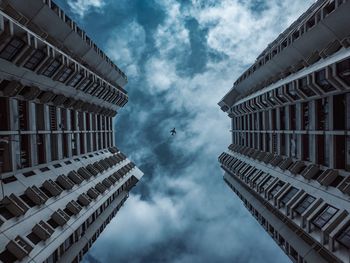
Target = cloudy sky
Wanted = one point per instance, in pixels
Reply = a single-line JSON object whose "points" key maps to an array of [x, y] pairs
{"points": [[181, 57]]}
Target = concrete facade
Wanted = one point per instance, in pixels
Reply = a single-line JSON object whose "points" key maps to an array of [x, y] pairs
{"points": [[289, 160], [62, 178]]}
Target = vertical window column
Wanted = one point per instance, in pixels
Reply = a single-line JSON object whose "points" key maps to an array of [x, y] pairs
{"points": [[82, 132], [347, 126], [14, 140], [94, 133], [74, 137], [88, 134], [40, 137], [5, 144], [104, 127], [54, 132], [65, 128], [99, 135], [32, 133]]}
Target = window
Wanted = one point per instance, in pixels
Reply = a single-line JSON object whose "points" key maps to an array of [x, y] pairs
{"points": [[344, 237], [291, 91], [322, 81], [307, 201], [259, 178], [65, 73], [85, 84], [12, 49], [322, 219], [285, 199], [34, 60], [266, 184], [50, 70], [343, 69], [74, 81], [276, 189], [303, 85]]}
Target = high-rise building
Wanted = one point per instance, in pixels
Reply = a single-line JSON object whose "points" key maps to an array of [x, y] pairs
{"points": [[289, 161], [62, 178]]}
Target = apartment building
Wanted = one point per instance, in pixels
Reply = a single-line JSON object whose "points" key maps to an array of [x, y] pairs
{"points": [[62, 177], [289, 161]]}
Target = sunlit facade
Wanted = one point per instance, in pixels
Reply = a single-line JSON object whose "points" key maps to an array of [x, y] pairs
{"points": [[289, 161], [62, 178]]}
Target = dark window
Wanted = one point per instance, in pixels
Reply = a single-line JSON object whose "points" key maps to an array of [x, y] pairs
{"points": [[339, 112], [326, 215], [322, 81], [344, 237], [266, 184], [50, 70], [85, 84], [33, 238], [12, 49], [303, 86], [292, 92], [307, 201], [276, 189], [285, 199], [343, 69], [74, 81], [7, 257], [65, 73], [34, 60]]}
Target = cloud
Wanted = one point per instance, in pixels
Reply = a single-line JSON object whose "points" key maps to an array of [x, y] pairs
{"points": [[82, 7], [182, 211], [126, 45]]}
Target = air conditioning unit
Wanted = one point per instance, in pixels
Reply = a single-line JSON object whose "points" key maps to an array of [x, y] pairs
{"points": [[261, 156], [118, 158], [36, 195], [113, 149], [112, 179], [60, 217], [92, 169], [65, 182], [296, 167], [255, 154], [122, 155], [76, 178], [52, 187], [310, 171], [19, 248], [109, 161], [74, 207], [46, 96], [92, 193], [59, 100], [98, 167], [115, 159], [327, 177], [344, 186], [100, 187], [43, 230], [117, 176], [83, 172], [84, 199], [107, 183], [285, 163], [268, 158], [30, 93], [104, 164], [15, 205], [276, 160], [12, 89]]}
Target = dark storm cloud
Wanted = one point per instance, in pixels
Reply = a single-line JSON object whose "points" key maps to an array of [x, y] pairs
{"points": [[181, 57]]}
